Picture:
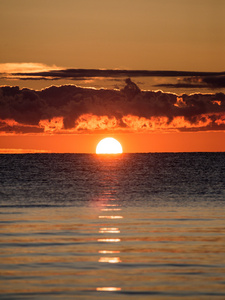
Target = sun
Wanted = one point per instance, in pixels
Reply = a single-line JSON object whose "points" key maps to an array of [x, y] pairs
{"points": [[109, 146]]}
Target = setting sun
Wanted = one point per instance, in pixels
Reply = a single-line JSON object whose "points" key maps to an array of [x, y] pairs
{"points": [[109, 146]]}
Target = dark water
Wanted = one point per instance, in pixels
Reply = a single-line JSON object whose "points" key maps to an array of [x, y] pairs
{"points": [[112, 227]]}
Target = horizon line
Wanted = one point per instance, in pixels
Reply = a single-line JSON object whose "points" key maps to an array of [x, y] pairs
{"points": [[101, 155]]}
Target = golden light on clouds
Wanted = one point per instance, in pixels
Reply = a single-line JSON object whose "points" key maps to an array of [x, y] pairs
{"points": [[25, 67]]}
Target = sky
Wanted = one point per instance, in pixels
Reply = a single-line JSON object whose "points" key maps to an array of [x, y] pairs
{"points": [[132, 34], [38, 37]]}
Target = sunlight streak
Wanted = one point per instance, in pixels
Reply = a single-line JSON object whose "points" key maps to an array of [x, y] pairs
{"points": [[108, 289], [111, 260]]}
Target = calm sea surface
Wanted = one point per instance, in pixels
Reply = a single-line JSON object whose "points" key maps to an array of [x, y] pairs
{"points": [[130, 226]]}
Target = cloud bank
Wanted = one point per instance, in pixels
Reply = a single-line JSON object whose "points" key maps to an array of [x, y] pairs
{"points": [[72, 109]]}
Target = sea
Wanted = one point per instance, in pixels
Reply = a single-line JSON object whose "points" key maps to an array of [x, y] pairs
{"points": [[127, 226]]}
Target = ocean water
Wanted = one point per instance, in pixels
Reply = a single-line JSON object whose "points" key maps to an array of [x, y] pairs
{"points": [[130, 226]]}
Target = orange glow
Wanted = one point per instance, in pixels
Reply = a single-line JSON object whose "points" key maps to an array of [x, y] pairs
{"points": [[94, 124], [221, 121], [158, 141], [25, 67], [109, 146], [162, 123], [89, 123], [53, 125]]}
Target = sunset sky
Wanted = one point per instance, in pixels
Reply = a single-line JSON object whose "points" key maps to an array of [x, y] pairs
{"points": [[45, 42]]}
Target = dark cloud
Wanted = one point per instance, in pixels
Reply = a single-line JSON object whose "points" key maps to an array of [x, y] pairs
{"points": [[213, 82], [87, 73], [27, 108], [24, 106], [185, 79], [12, 127]]}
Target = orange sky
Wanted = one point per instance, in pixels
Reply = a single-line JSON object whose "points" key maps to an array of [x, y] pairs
{"points": [[86, 143], [130, 34], [41, 35]]}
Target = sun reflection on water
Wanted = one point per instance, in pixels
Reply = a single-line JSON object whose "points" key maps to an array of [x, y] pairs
{"points": [[111, 260], [110, 205], [109, 230], [110, 209], [108, 289], [110, 215], [109, 240], [108, 251]]}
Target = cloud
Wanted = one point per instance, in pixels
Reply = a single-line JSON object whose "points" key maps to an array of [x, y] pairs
{"points": [[84, 73], [10, 126], [213, 82], [8, 70], [21, 151], [38, 71], [72, 109]]}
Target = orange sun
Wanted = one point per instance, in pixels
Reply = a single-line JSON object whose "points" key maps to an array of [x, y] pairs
{"points": [[109, 146]]}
